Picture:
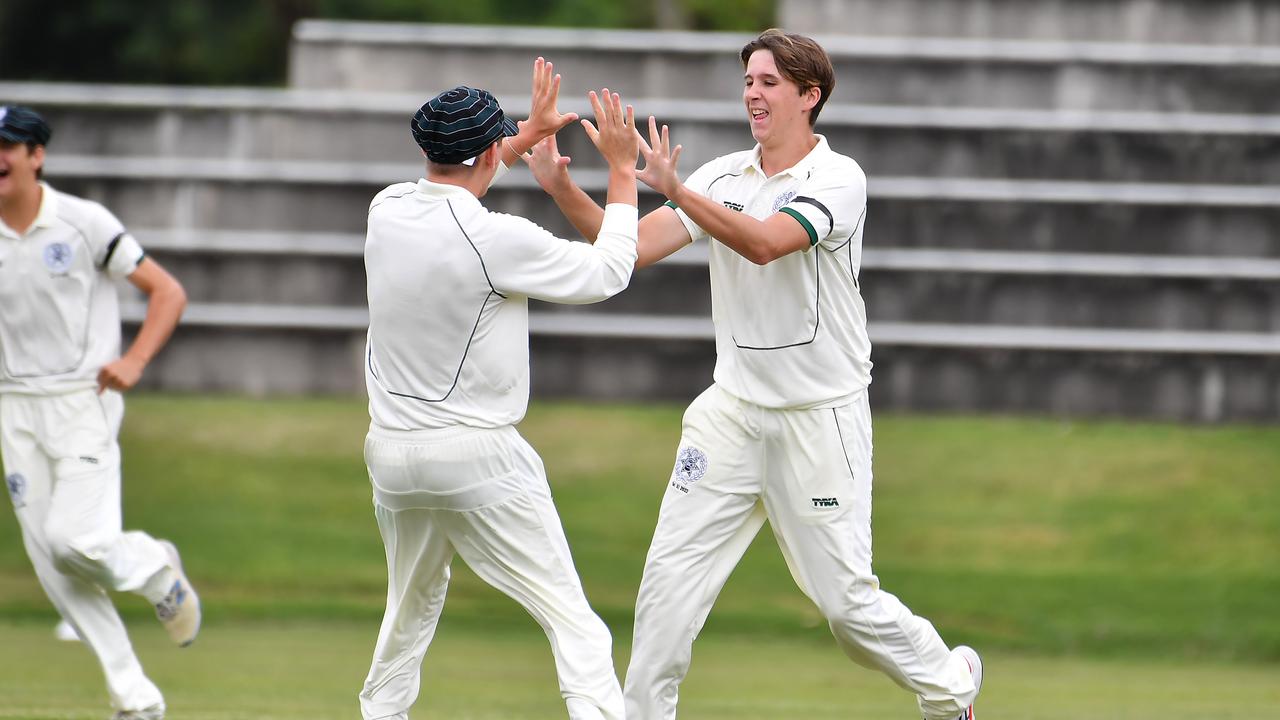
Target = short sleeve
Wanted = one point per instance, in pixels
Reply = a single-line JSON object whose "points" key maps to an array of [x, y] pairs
{"points": [[699, 181], [830, 205], [116, 252]]}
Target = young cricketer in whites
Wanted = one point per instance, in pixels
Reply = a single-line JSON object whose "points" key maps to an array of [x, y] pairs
{"points": [[447, 368], [784, 433], [61, 375]]}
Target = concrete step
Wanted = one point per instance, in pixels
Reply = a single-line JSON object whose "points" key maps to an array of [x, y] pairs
{"points": [[929, 285], [1243, 22], [940, 71], [950, 213], [257, 126], [1179, 376]]}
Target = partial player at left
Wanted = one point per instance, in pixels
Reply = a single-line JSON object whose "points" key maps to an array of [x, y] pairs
{"points": [[61, 379]]}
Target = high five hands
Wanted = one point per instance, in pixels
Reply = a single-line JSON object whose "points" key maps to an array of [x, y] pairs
{"points": [[660, 160], [614, 133], [545, 118]]}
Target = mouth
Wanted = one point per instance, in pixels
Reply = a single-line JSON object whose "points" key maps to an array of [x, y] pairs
{"points": [[4, 173], [758, 114]]}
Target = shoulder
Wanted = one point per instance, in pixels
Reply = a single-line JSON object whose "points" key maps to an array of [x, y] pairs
{"points": [[78, 210], [841, 174], [732, 163], [393, 192], [88, 217]]}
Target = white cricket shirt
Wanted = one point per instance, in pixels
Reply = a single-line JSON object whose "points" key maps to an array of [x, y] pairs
{"points": [[791, 333], [59, 314], [449, 284]]}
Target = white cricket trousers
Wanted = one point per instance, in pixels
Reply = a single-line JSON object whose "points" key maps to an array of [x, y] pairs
{"points": [[809, 473], [483, 494], [62, 468]]}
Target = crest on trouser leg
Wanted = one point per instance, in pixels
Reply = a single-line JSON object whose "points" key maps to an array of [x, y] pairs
{"points": [[17, 488], [691, 465]]}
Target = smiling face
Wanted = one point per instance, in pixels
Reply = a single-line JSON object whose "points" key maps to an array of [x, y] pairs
{"points": [[18, 166], [777, 107]]}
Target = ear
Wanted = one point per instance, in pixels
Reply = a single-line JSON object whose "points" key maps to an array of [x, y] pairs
{"points": [[37, 157], [493, 155], [811, 96]]}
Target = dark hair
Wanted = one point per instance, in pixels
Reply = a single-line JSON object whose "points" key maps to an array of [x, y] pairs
{"points": [[800, 60]]}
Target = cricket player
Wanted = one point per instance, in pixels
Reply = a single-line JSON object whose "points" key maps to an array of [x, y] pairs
{"points": [[447, 370], [784, 433], [61, 379]]}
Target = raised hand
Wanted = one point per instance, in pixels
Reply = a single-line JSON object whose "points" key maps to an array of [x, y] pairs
{"points": [[545, 119], [660, 160], [549, 167], [614, 133]]}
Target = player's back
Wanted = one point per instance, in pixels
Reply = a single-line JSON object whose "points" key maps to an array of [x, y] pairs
{"points": [[445, 348]]}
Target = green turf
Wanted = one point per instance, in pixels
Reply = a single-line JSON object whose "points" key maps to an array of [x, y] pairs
{"points": [[1093, 542], [312, 670]]}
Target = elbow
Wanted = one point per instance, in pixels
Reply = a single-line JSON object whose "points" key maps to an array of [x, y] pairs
{"points": [[177, 298], [763, 255]]}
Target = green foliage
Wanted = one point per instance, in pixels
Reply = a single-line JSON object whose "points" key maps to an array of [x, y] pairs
{"points": [[245, 42]]}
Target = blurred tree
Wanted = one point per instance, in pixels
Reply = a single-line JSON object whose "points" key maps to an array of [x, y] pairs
{"points": [[245, 42]]}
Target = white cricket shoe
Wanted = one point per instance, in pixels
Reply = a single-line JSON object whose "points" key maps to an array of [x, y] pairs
{"points": [[975, 668], [179, 611], [155, 712], [65, 632]]}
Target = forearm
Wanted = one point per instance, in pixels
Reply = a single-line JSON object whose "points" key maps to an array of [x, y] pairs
{"points": [[164, 308], [580, 210], [622, 186], [740, 232]]}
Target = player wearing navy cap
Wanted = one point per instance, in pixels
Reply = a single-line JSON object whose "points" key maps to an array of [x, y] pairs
{"points": [[61, 379], [447, 370]]}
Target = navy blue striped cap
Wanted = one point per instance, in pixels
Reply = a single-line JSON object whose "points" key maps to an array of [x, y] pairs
{"points": [[23, 125], [459, 124]]}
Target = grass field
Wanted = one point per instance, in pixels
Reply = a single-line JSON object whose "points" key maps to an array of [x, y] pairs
{"points": [[1107, 570]]}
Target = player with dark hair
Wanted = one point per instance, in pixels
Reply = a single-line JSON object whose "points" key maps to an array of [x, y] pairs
{"points": [[61, 379], [784, 433]]}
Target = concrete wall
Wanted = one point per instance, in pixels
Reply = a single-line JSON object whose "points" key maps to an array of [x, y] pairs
{"points": [[1234, 22], [1058, 223]]}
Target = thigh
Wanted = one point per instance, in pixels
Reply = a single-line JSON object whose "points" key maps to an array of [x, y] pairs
{"points": [[27, 471], [78, 434], [818, 493], [709, 510], [519, 545]]}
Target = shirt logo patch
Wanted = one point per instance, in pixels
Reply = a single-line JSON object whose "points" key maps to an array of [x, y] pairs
{"points": [[823, 503], [17, 488], [733, 205], [783, 199], [58, 256], [691, 465]]}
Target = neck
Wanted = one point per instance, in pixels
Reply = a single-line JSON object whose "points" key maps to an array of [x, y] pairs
{"points": [[19, 209], [776, 157], [469, 180]]}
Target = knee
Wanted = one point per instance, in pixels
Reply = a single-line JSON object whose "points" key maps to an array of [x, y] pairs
{"points": [[845, 604], [67, 549]]}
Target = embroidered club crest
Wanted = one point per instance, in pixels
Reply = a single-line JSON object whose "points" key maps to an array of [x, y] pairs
{"points": [[691, 465], [57, 257], [17, 488], [783, 199]]}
